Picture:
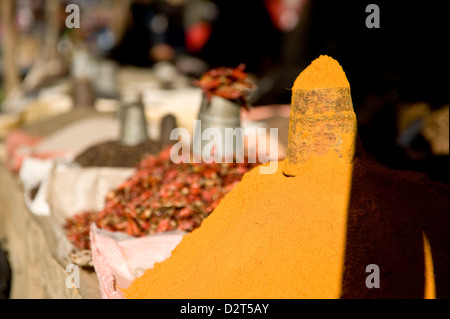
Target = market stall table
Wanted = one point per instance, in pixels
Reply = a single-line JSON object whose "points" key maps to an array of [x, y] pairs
{"points": [[36, 246], [37, 255]]}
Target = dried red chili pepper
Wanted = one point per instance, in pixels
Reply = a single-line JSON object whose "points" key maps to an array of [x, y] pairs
{"points": [[228, 83], [160, 196]]}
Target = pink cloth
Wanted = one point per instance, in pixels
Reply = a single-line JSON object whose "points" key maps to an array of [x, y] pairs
{"points": [[20, 145], [262, 113], [119, 259]]}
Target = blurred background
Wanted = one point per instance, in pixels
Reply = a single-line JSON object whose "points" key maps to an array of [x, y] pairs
{"points": [[398, 73]]}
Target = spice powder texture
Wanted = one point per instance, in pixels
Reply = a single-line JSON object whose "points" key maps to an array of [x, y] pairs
{"points": [[313, 234], [323, 72], [271, 237]]}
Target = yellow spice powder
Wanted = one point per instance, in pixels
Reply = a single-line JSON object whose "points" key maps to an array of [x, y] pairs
{"points": [[322, 125], [271, 237], [313, 234], [323, 72]]}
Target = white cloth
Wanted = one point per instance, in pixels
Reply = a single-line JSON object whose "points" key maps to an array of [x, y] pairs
{"points": [[34, 173], [72, 189]]}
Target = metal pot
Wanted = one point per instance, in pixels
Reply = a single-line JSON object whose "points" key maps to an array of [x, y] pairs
{"points": [[133, 123], [218, 113]]}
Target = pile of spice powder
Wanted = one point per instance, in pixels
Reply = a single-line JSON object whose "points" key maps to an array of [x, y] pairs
{"points": [[275, 236], [323, 72], [160, 196]]}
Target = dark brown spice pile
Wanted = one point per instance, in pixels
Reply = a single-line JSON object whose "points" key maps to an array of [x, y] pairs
{"points": [[115, 154], [160, 196]]}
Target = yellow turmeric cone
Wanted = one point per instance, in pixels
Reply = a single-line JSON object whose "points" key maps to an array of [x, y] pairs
{"points": [[322, 124]]}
